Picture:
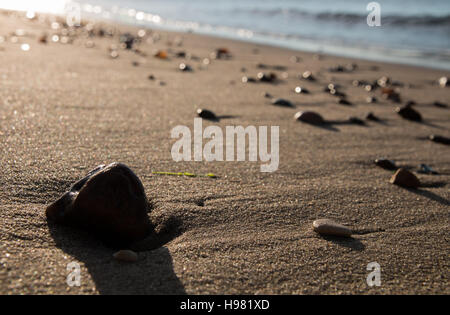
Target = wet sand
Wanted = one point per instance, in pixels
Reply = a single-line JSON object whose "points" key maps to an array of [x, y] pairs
{"points": [[66, 108]]}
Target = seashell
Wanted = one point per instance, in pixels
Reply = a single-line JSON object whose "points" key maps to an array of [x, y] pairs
{"points": [[109, 202]]}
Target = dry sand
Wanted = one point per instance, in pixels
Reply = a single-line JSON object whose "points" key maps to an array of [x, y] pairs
{"points": [[67, 108]]}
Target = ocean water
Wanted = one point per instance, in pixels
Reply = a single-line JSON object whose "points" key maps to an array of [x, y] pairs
{"points": [[412, 31]]}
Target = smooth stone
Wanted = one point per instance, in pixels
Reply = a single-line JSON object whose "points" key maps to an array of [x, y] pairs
{"points": [[439, 139], [246, 79], [281, 102], [371, 99], [206, 114], [109, 202], [405, 178], [310, 118], [126, 255], [386, 164], [329, 227], [407, 112]]}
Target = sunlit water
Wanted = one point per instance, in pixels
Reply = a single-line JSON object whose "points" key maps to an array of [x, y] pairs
{"points": [[412, 31]]}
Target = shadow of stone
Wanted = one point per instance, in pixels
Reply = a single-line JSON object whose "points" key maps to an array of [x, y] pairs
{"points": [[348, 242], [152, 274], [430, 195]]}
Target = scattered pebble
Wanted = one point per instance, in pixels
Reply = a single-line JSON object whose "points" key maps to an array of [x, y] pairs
{"points": [[264, 77], [161, 54], [246, 79], [439, 104], [309, 117], [25, 47], [126, 255], [356, 121], [425, 169], [407, 112], [371, 116], [386, 164], [300, 90], [206, 114], [371, 99], [307, 75], [329, 227], [343, 101], [443, 82], [184, 67], [405, 178], [439, 139], [281, 102]]}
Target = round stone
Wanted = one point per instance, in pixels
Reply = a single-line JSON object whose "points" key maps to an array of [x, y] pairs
{"points": [[110, 202]]}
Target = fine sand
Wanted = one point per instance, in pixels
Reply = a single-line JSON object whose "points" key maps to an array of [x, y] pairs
{"points": [[66, 108]]}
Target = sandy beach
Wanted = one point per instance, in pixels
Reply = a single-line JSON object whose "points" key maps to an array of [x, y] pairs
{"points": [[68, 106]]}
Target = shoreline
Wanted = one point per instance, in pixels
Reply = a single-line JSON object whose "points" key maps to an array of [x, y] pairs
{"points": [[70, 105], [309, 45]]}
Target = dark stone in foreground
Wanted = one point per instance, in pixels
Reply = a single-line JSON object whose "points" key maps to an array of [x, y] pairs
{"points": [[206, 114], [407, 112], [439, 139], [310, 118], [405, 178], [109, 202]]}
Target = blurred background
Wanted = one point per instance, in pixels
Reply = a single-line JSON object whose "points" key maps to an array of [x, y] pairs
{"points": [[412, 31]]}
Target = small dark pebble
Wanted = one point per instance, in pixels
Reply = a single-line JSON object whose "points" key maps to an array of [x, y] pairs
{"points": [[439, 104], [425, 169], [281, 102], [184, 67], [386, 164], [206, 114], [300, 90], [151, 77], [307, 75], [439, 139], [267, 95], [371, 116], [407, 112], [248, 80], [310, 118], [356, 120], [371, 99], [343, 101], [264, 77]]}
